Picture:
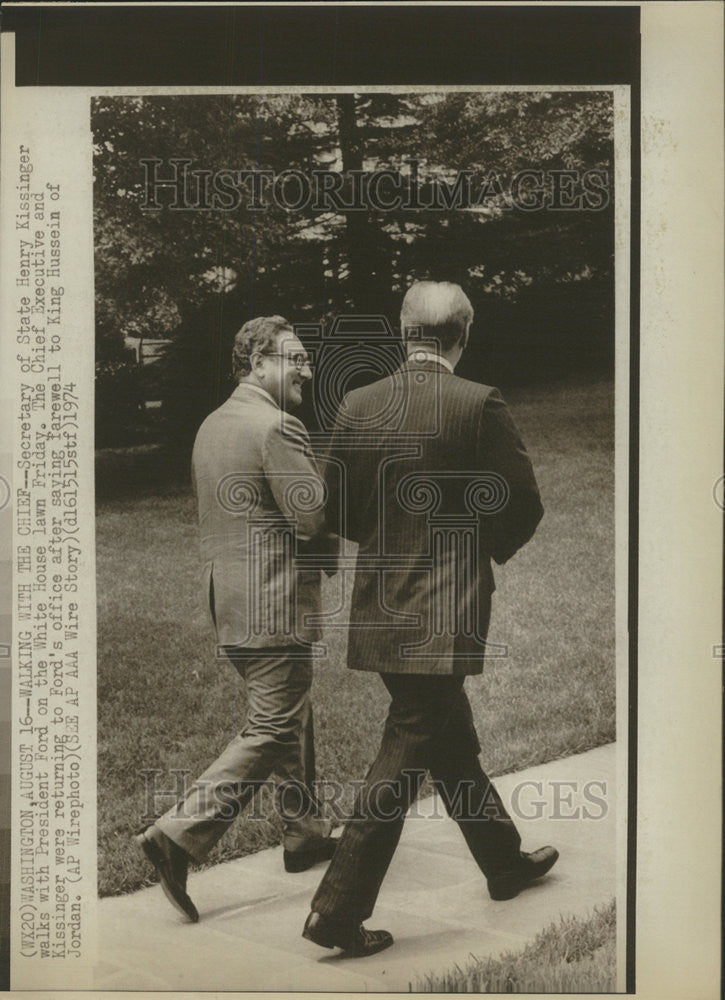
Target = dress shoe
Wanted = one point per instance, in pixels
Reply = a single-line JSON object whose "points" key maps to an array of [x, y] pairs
{"points": [[355, 941], [509, 883], [171, 863], [300, 861]]}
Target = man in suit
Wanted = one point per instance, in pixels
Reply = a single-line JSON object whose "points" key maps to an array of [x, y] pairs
{"points": [[428, 474], [261, 505]]}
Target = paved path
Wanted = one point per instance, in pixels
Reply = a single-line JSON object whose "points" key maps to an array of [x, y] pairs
{"points": [[433, 900]]}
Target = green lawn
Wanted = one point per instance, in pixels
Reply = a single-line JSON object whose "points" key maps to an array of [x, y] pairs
{"points": [[165, 704], [571, 956]]}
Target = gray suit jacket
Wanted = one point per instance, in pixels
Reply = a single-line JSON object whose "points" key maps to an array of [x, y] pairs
{"points": [[428, 473], [260, 497]]}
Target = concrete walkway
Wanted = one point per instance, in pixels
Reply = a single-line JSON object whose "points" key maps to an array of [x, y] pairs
{"points": [[434, 900]]}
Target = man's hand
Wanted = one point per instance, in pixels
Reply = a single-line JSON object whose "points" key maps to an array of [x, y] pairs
{"points": [[321, 552]]}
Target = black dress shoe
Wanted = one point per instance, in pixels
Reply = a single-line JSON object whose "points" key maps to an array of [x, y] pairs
{"points": [[509, 883], [171, 863], [300, 861], [355, 941]]}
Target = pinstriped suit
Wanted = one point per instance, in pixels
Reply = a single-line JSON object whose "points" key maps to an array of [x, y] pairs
{"points": [[431, 488], [444, 471]]}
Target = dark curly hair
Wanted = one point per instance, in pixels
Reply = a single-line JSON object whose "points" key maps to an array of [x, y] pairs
{"points": [[257, 335]]}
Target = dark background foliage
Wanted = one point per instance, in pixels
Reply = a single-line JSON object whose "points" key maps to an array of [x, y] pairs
{"points": [[541, 282]]}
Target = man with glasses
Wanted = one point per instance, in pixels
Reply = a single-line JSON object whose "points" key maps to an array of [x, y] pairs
{"points": [[261, 503]]}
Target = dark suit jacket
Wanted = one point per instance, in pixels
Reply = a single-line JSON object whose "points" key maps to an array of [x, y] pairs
{"points": [[428, 473]]}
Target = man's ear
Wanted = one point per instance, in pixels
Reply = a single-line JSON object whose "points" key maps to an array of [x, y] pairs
{"points": [[256, 364]]}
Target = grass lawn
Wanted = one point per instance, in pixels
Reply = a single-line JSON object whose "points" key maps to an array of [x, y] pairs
{"points": [[570, 956], [165, 705]]}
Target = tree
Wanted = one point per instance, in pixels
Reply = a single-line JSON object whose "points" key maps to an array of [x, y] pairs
{"points": [[540, 280]]}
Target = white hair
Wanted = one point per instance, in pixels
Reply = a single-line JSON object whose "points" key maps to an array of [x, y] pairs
{"points": [[438, 311]]}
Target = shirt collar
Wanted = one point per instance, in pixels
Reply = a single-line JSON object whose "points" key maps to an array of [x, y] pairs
{"points": [[419, 356], [258, 389]]}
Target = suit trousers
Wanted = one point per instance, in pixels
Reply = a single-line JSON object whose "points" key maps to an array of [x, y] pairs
{"points": [[429, 728], [277, 739]]}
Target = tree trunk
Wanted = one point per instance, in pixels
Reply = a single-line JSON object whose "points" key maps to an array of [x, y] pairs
{"points": [[358, 224]]}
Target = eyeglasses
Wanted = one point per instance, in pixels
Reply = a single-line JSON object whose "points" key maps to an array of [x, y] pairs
{"points": [[299, 360]]}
